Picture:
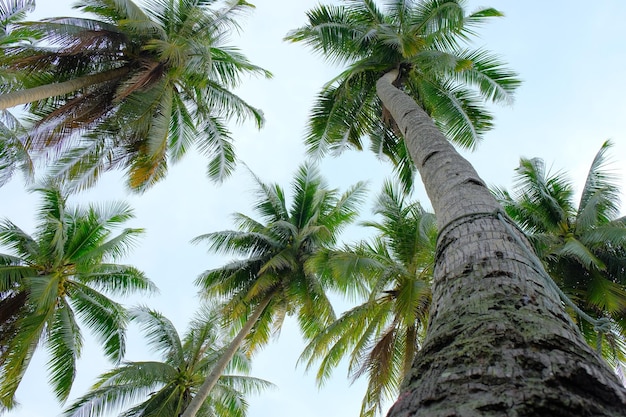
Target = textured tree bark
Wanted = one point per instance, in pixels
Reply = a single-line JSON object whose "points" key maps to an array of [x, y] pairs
{"points": [[225, 358], [16, 98], [499, 341]]}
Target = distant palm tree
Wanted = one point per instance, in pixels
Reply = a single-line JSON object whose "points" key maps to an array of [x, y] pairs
{"points": [[13, 154], [271, 280], [164, 388], [135, 89], [62, 272], [584, 246], [381, 335]]}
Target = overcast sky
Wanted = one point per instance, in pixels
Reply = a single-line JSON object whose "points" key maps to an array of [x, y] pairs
{"points": [[571, 57]]}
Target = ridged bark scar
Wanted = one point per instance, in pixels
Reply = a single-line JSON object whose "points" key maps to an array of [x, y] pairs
{"points": [[427, 157]]}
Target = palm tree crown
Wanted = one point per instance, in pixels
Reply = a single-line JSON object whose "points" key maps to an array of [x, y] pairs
{"points": [[584, 246], [381, 335], [424, 40], [61, 273], [275, 252], [164, 388], [135, 89], [272, 280]]}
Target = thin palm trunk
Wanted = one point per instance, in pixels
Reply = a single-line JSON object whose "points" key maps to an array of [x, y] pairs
{"points": [[499, 341], [225, 358], [16, 98]]}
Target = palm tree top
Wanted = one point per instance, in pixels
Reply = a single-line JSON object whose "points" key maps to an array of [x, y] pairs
{"points": [[136, 87], [427, 42], [59, 277], [166, 386]]}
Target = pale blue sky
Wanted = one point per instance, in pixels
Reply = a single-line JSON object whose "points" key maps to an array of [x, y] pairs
{"points": [[571, 57]]}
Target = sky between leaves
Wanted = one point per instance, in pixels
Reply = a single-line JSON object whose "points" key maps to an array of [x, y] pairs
{"points": [[570, 56]]}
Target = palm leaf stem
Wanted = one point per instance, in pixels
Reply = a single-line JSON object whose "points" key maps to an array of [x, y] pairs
{"points": [[16, 98]]}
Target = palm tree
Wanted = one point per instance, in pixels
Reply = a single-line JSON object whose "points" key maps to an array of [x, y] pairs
{"points": [[164, 388], [382, 335], [56, 276], [421, 40], [498, 339], [13, 154], [135, 89], [271, 281], [584, 247]]}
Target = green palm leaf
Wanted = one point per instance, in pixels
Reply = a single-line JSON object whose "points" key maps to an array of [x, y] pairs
{"points": [[165, 388], [392, 271]]}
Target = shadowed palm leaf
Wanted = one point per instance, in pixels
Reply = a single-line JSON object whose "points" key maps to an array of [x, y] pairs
{"points": [[13, 154]]}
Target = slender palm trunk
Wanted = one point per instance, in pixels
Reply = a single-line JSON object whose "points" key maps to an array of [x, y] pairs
{"points": [[499, 341], [225, 358], [16, 98]]}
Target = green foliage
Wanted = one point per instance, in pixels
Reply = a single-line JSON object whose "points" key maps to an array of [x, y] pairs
{"points": [[583, 247], [57, 278], [393, 271], [273, 252], [423, 39], [164, 388], [167, 86]]}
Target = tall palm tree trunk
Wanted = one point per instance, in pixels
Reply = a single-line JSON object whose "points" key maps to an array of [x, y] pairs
{"points": [[16, 98], [225, 358], [499, 341]]}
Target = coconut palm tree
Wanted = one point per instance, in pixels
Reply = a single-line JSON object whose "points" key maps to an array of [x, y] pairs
{"points": [[13, 154], [423, 40], [381, 335], [498, 338], [56, 276], [135, 89], [583, 247], [271, 280], [165, 387]]}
